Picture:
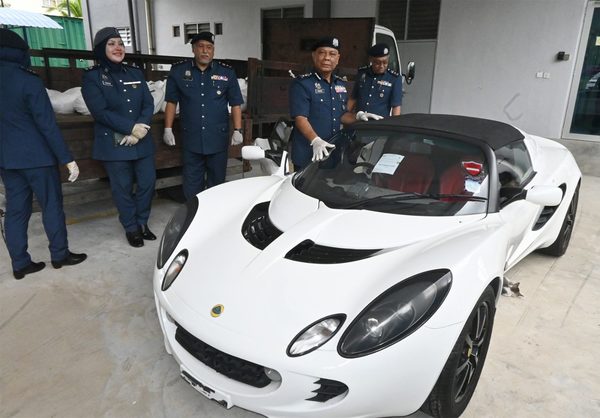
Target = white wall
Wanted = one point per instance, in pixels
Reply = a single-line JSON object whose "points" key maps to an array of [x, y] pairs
{"points": [[489, 52], [240, 18], [353, 8]]}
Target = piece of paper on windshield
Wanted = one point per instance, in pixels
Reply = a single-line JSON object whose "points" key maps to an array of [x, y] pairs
{"points": [[388, 163]]}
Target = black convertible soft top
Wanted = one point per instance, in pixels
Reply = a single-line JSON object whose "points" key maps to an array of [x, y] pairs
{"points": [[495, 134]]}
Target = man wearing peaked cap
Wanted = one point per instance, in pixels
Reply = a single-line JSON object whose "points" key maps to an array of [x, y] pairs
{"points": [[318, 105], [31, 149], [378, 90], [203, 88]]}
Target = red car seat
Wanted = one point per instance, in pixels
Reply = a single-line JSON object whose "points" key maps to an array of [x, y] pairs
{"points": [[413, 174]]}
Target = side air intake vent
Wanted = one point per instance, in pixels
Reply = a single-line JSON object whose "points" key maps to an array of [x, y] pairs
{"points": [[309, 252], [258, 229], [547, 212]]}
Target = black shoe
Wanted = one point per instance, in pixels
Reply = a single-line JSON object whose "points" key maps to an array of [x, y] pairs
{"points": [[147, 234], [31, 268], [135, 238], [70, 260]]}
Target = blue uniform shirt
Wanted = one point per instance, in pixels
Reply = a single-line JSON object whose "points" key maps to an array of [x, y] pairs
{"points": [[118, 100], [203, 97], [29, 135], [377, 93], [323, 104]]}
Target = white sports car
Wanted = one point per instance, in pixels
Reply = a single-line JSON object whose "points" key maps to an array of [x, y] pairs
{"points": [[364, 285]]}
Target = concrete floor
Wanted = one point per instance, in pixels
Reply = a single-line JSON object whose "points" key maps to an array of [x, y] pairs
{"points": [[84, 341]]}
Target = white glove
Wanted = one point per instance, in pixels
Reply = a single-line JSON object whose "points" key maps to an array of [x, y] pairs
{"points": [[320, 149], [129, 140], [168, 137], [140, 130], [73, 171], [360, 115], [237, 138]]}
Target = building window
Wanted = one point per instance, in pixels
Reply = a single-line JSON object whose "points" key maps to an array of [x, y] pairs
{"points": [[410, 19], [218, 28], [176, 31], [283, 13], [125, 33], [193, 28]]}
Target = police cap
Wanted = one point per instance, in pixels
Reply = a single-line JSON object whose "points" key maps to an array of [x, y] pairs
{"points": [[379, 50], [329, 42], [104, 34], [203, 36], [11, 40]]}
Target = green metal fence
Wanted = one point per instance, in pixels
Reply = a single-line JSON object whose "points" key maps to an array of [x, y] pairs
{"points": [[70, 37]]}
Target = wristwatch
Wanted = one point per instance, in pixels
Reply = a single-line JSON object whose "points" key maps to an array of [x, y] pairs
{"points": [[239, 130]]}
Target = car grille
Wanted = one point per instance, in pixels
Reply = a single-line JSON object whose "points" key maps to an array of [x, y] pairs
{"points": [[258, 229], [309, 252], [328, 389], [233, 367]]}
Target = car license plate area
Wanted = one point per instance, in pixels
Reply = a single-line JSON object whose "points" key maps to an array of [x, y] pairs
{"points": [[207, 391]]}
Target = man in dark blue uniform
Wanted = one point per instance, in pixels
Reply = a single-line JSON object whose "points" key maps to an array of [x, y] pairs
{"points": [[378, 90], [31, 147], [318, 105], [203, 88], [120, 102]]}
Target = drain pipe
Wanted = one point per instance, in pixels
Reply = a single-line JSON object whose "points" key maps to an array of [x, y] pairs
{"points": [[150, 26]]}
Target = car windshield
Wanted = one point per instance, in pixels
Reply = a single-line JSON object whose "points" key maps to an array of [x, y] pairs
{"points": [[399, 172]]}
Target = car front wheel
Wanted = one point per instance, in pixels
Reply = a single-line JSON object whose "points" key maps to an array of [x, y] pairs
{"points": [[456, 384]]}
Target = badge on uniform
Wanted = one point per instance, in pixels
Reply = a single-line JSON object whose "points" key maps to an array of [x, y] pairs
{"points": [[106, 81], [340, 89], [219, 77], [187, 75], [384, 83], [319, 88]]}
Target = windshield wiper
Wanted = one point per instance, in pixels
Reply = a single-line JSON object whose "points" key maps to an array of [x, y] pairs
{"points": [[399, 197]]}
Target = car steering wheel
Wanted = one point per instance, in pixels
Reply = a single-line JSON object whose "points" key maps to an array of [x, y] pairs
{"points": [[369, 166]]}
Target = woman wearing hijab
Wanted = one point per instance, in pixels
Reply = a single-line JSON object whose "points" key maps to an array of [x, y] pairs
{"points": [[120, 102]]}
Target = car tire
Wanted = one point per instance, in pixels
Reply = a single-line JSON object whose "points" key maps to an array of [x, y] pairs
{"points": [[560, 245], [456, 384]]}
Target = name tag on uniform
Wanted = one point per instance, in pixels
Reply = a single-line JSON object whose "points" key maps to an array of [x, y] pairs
{"points": [[106, 81], [131, 82], [219, 77], [384, 83], [340, 89]]}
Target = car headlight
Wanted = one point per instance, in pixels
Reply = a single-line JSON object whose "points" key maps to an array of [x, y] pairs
{"points": [[315, 335], [175, 229], [174, 269], [395, 314]]}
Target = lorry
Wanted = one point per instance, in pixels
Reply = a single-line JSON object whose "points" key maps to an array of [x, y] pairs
{"points": [[291, 40]]}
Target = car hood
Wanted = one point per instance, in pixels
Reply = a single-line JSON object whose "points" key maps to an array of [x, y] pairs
{"points": [[262, 290]]}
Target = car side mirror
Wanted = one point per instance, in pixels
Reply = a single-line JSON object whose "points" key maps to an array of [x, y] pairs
{"points": [[410, 72], [252, 153], [544, 195]]}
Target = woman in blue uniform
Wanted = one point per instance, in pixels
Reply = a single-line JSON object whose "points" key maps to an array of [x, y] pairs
{"points": [[119, 100]]}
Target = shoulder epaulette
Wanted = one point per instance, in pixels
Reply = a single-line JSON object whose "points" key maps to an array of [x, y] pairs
{"points": [[394, 73], [180, 62], [132, 65], [343, 78], [223, 64], [92, 67], [363, 68], [29, 70], [304, 75]]}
